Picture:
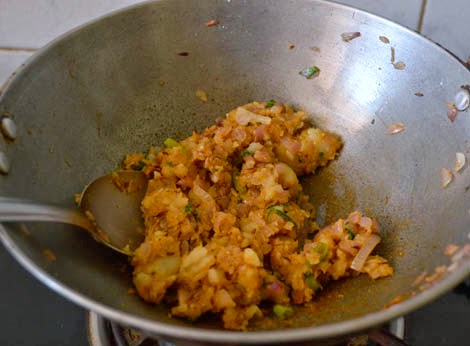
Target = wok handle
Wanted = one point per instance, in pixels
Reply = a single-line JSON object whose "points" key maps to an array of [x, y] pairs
{"points": [[385, 338], [16, 210]]}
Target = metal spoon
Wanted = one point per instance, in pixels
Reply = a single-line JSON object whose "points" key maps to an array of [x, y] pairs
{"points": [[109, 210]]}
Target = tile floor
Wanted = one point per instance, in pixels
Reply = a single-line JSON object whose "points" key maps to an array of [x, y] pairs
{"points": [[26, 25]]}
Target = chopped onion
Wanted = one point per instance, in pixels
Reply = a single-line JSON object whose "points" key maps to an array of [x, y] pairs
{"points": [[202, 194], [259, 133], [354, 217], [262, 156], [291, 144], [254, 146], [446, 177], [399, 65], [243, 117], [460, 161], [239, 134], [364, 252], [275, 287], [348, 36], [395, 128], [219, 122]]}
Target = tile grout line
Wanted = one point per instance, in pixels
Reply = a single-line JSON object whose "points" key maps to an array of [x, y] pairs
{"points": [[422, 13]]}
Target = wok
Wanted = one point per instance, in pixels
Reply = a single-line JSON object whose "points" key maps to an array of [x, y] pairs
{"points": [[120, 84]]}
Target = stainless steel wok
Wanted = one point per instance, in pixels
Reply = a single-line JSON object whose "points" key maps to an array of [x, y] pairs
{"points": [[120, 84]]}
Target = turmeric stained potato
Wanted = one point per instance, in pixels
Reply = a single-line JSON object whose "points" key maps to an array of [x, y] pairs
{"points": [[227, 224]]}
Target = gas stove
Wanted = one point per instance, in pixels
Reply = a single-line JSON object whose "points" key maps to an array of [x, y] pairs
{"points": [[32, 314], [102, 332]]}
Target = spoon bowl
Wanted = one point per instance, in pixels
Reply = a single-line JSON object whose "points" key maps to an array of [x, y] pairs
{"points": [[109, 210]]}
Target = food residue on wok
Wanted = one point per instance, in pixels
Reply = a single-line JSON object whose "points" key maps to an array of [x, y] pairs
{"points": [[459, 161], [399, 65], [452, 111], [349, 36], [212, 23], [384, 39], [228, 226], [49, 255], [201, 95], [395, 128], [446, 177]]}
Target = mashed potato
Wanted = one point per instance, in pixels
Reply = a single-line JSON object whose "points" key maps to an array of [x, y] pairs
{"points": [[227, 224]]}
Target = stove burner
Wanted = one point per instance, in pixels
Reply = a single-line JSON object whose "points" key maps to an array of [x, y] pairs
{"points": [[102, 332]]}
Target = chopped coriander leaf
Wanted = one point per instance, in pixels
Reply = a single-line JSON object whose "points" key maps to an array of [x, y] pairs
{"points": [[277, 209], [321, 154], [171, 143], [312, 283], [322, 249], [188, 208], [270, 103], [350, 234], [309, 72], [139, 166], [282, 311], [246, 152]]}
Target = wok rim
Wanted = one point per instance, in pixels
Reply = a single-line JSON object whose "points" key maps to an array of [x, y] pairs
{"points": [[163, 329]]}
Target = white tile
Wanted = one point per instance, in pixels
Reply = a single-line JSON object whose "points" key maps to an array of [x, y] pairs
{"points": [[9, 61], [404, 12], [448, 23], [33, 23]]}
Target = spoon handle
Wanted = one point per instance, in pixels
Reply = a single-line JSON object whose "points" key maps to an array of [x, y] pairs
{"points": [[16, 209]]}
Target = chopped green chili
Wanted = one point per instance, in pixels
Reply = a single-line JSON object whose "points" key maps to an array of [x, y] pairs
{"points": [[236, 184], [309, 72], [322, 249], [282, 311], [139, 166], [277, 209], [246, 152], [321, 154], [270, 103], [350, 234], [171, 143], [312, 283]]}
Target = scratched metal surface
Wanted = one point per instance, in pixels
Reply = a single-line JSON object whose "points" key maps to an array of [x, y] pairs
{"points": [[89, 98]]}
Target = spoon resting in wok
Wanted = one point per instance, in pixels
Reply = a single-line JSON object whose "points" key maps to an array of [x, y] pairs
{"points": [[109, 210]]}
